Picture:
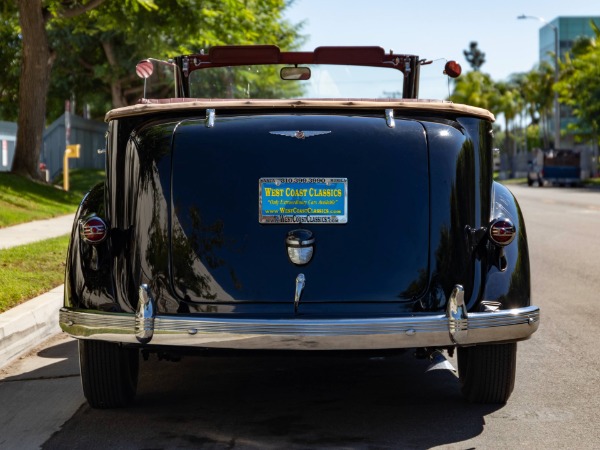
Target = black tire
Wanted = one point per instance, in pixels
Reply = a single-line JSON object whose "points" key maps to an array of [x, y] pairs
{"points": [[529, 182], [487, 372], [109, 373]]}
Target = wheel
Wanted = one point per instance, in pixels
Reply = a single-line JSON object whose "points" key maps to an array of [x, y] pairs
{"points": [[529, 182], [109, 373], [487, 372]]}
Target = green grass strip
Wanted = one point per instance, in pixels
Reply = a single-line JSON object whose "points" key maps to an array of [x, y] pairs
{"points": [[23, 200], [592, 182], [30, 270]]}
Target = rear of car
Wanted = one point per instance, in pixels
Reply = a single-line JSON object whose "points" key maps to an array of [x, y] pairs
{"points": [[301, 225]]}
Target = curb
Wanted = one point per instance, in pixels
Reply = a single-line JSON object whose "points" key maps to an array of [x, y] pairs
{"points": [[29, 323], [35, 320]]}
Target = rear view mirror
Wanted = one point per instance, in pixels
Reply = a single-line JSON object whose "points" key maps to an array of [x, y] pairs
{"points": [[295, 73], [144, 68], [159, 77]]}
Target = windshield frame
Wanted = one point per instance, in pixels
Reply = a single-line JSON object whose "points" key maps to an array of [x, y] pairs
{"points": [[220, 56], [326, 81]]}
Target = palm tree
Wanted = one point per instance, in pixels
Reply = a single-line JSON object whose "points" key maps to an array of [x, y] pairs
{"points": [[537, 88], [509, 103], [474, 88]]}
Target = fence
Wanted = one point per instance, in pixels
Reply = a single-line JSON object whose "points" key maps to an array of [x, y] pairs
{"points": [[90, 134], [8, 139]]}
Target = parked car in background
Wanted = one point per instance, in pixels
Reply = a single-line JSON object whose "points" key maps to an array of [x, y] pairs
{"points": [[297, 201], [556, 167], [535, 173]]}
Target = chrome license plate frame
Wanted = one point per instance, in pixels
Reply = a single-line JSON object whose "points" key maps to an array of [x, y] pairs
{"points": [[303, 200]]}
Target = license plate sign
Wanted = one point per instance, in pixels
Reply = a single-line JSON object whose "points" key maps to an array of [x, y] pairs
{"points": [[303, 200]]}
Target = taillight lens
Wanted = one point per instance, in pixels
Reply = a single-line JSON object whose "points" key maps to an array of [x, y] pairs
{"points": [[502, 232], [93, 230]]}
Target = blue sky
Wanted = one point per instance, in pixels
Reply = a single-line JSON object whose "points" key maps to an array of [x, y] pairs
{"points": [[438, 29]]}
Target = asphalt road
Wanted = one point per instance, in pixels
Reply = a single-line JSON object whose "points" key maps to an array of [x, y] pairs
{"points": [[358, 402]]}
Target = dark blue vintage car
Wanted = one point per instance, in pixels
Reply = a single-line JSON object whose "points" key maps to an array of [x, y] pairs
{"points": [[297, 201]]}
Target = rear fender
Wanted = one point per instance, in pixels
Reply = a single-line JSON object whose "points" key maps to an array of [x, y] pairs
{"points": [[508, 275], [88, 279]]}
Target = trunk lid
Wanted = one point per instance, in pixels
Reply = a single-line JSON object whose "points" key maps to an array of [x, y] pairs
{"points": [[370, 229]]}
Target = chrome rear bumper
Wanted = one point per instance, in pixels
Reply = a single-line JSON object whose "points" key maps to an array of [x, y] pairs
{"points": [[422, 330]]}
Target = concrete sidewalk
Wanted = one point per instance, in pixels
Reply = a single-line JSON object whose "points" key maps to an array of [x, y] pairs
{"points": [[37, 230], [31, 322]]}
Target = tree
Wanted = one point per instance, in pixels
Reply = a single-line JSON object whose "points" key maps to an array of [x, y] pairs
{"points": [[579, 85], [37, 60], [509, 103], [92, 46], [113, 38], [474, 56], [529, 97], [10, 57], [501, 98], [536, 88], [579, 88], [474, 88]]}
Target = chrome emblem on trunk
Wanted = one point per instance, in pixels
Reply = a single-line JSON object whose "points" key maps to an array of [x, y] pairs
{"points": [[299, 134]]}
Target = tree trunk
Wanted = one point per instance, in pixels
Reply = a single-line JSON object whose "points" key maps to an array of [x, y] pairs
{"points": [[546, 139], [116, 88], [508, 145], [33, 88]]}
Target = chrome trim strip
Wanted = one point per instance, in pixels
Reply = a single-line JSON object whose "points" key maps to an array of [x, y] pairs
{"points": [[419, 330]]}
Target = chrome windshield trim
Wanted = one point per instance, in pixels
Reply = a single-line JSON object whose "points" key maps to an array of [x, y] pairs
{"points": [[419, 330]]}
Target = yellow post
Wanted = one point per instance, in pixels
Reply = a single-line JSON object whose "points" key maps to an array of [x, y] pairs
{"points": [[72, 151]]}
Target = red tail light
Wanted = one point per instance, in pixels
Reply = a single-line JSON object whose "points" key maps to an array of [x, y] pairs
{"points": [[502, 232], [93, 230]]}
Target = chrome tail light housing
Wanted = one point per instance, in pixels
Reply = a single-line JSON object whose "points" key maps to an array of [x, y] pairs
{"points": [[502, 231], [93, 230]]}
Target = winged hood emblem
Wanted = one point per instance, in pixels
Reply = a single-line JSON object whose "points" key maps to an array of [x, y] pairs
{"points": [[299, 134]]}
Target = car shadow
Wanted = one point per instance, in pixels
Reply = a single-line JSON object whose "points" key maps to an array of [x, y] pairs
{"points": [[285, 401]]}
